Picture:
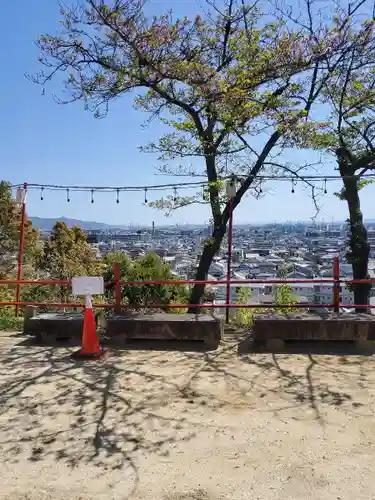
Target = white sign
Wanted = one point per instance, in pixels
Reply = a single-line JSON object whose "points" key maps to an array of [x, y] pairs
{"points": [[231, 188], [20, 196], [87, 285]]}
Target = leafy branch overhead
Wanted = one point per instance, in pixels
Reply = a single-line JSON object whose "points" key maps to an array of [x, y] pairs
{"points": [[232, 88], [342, 195], [347, 100], [214, 80]]}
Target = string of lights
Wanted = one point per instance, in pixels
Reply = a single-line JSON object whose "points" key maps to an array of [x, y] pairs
{"points": [[186, 185], [174, 187]]}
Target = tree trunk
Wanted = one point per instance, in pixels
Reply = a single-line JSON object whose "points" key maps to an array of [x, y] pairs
{"points": [[221, 218], [210, 249], [359, 248], [212, 245]]}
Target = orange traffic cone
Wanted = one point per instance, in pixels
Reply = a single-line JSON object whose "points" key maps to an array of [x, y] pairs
{"points": [[90, 347]]}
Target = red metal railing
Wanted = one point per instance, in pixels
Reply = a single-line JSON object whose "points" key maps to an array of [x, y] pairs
{"points": [[117, 284]]}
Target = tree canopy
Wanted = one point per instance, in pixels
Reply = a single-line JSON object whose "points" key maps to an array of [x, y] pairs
{"points": [[148, 267], [347, 103], [67, 253], [223, 82]]}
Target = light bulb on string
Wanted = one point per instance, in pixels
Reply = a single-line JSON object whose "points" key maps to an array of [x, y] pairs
{"points": [[260, 187], [293, 191], [117, 196], [41, 194], [92, 196], [325, 186], [175, 194], [146, 195], [67, 196]]}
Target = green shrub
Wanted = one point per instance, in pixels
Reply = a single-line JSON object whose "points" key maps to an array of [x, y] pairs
{"points": [[243, 316], [148, 267], [8, 322], [284, 295]]}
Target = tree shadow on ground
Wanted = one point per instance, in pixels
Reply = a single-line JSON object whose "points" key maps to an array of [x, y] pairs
{"points": [[332, 374], [130, 345], [109, 414], [113, 414]]}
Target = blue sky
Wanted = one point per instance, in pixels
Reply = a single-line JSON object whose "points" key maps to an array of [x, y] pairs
{"points": [[43, 142]]}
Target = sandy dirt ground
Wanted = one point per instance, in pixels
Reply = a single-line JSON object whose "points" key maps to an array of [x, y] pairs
{"points": [[185, 425]]}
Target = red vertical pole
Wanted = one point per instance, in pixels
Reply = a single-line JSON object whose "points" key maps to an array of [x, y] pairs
{"points": [[336, 284], [21, 247], [116, 271], [229, 261]]}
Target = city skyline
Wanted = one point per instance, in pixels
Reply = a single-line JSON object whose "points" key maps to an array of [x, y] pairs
{"points": [[47, 223]]}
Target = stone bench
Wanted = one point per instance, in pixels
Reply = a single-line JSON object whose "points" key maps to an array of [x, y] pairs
{"points": [[164, 326], [49, 327], [273, 329]]}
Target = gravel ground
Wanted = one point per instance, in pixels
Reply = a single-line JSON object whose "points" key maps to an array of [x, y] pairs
{"points": [[185, 425]]}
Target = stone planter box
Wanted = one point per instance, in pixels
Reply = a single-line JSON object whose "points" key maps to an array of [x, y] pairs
{"points": [[49, 327], [163, 326], [274, 329]]}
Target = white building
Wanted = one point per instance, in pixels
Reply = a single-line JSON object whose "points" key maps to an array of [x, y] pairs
{"points": [[303, 290], [324, 293], [217, 269], [320, 293]]}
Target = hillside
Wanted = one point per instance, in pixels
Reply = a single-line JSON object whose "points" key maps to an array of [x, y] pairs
{"points": [[46, 224]]}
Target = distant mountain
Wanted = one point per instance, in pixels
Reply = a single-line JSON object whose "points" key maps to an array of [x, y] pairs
{"points": [[46, 224]]}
